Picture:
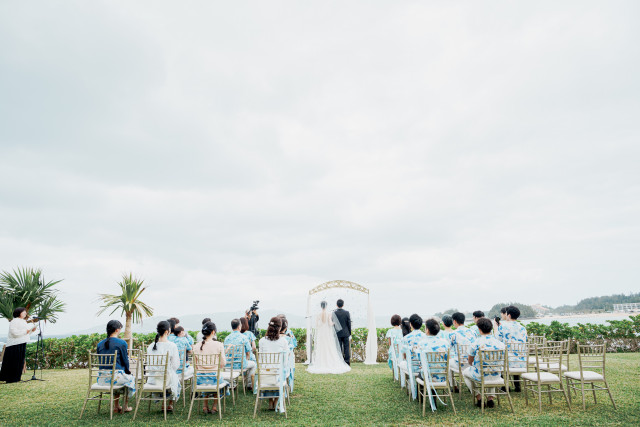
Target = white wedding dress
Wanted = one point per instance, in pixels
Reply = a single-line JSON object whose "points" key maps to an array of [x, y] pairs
{"points": [[326, 357]]}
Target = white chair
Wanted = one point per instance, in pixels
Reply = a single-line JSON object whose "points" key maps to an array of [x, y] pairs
{"points": [[155, 367], [230, 373], [494, 374], [462, 362], [536, 381], [185, 372], [202, 364], [434, 363], [591, 359], [102, 367], [518, 353], [270, 378]]}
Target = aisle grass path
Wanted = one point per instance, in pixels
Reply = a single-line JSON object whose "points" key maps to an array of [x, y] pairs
{"points": [[366, 396]]}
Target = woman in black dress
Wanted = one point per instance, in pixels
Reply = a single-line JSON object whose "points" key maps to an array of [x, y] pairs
{"points": [[15, 351]]}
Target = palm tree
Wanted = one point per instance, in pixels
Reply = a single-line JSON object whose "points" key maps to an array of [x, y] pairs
{"points": [[129, 302], [25, 287]]}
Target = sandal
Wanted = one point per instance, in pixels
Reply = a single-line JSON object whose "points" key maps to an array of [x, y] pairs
{"points": [[206, 410]]}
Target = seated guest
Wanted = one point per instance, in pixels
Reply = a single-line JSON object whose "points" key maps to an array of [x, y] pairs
{"points": [[414, 337], [122, 375], [406, 326], [244, 330], [433, 342], [447, 322], [237, 338], [174, 322], [273, 342], [293, 341], [463, 336], [394, 335], [160, 346], [184, 348], [511, 330], [207, 374], [199, 334], [284, 332], [476, 316], [486, 341], [13, 364]]}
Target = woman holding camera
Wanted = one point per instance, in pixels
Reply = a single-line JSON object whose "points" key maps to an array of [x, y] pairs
{"points": [[13, 363]]}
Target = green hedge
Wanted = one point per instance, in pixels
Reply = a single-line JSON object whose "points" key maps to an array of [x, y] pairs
{"points": [[619, 335]]}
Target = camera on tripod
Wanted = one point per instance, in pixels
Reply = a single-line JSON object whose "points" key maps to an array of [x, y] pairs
{"points": [[254, 307]]}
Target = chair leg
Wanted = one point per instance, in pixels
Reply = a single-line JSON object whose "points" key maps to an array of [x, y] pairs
{"points": [[219, 405], [453, 405], [593, 389], [568, 389], [99, 402], [137, 403], [610, 395], [584, 405], [111, 405], [193, 398], [164, 403], [566, 395], [540, 397], [549, 393], [84, 405], [255, 408], [526, 395]]}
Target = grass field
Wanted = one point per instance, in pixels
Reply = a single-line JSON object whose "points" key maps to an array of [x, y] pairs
{"points": [[366, 396]]}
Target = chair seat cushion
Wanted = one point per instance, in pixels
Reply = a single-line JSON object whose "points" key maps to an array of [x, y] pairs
{"points": [[545, 377], [188, 375], [588, 375], [517, 371], [493, 381], [227, 375], [152, 387], [439, 384], [96, 387], [552, 367], [209, 387]]}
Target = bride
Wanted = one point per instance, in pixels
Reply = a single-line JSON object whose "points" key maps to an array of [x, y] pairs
{"points": [[326, 357]]}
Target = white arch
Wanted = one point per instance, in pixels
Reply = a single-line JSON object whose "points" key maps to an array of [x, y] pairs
{"points": [[371, 349]]}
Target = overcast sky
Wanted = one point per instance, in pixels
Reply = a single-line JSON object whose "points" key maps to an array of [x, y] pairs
{"points": [[443, 154]]}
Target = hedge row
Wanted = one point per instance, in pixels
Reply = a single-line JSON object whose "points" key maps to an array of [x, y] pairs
{"points": [[619, 335]]}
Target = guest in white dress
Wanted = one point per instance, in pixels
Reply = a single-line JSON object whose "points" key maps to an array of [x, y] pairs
{"points": [[15, 352], [273, 342], [394, 335], [162, 345]]}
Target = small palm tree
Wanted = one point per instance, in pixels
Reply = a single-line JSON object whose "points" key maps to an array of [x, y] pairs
{"points": [[129, 302], [25, 287]]}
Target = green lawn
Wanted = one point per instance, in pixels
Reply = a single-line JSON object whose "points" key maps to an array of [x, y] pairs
{"points": [[367, 395]]}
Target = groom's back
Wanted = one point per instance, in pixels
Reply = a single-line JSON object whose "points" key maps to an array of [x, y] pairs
{"points": [[345, 322]]}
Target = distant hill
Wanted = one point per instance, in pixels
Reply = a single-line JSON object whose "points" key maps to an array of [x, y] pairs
{"points": [[597, 304]]}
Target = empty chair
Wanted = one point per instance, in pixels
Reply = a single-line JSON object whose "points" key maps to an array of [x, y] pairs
{"points": [[537, 381], [591, 376]]}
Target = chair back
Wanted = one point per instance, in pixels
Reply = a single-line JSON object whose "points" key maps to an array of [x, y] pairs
{"points": [[184, 360], [554, 355], [208, 364], [493, 362], [517, 352], [591, 357], [538, 340], [270, 368], [437, 363], [235, 357], [155, 367], [135, 361], [102, 366], [462, 351]]}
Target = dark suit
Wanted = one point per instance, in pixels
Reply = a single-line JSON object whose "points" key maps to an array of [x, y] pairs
{"points": [[343, 336]]}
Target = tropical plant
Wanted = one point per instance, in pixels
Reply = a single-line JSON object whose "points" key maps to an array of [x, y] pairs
{"points": [[25, 287], [128, 302]]}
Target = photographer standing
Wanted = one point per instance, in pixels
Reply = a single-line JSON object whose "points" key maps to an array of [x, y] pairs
{"points": [[253, 317], [14, 355]]}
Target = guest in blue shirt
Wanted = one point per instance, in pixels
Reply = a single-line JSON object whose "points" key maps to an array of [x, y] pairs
{"points": [[433, 342], [237, 338], [477, 315], [174, 322], [122, 375]]}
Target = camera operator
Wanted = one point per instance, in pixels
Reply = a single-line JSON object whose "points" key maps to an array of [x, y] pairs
{"points": [[253, 317]]}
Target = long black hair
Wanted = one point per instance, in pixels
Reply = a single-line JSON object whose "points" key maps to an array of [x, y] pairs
{"points": [[112, 326], [406, 326], [207, 329], [163, 326]]}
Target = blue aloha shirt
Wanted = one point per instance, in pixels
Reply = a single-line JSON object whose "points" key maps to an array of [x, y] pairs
{"points": [[183, 345], [236, 338], [252, 339], [484, 342], [474, 329], [512, 331], [435, 344], [173, 338], [396, 337], [463, 336], [446, 335], [413, 339]]}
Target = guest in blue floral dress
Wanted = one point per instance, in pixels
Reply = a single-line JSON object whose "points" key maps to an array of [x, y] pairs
{"points": [[486, 341], [111, 345], [394, 336], [244, 330]]}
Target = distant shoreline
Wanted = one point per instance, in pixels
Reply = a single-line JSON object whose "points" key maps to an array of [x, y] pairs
{"points": [[574, 316]]}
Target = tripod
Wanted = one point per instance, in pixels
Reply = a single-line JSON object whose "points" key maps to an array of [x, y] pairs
{"points": [[39, 352]]}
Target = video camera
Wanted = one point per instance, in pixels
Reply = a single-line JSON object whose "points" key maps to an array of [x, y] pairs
{"points": [[254, 307]]}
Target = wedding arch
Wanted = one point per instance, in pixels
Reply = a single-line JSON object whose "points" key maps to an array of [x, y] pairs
{"points": [[357, 300]]}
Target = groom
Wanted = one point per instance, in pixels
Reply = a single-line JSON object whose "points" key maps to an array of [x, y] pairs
{"points": [[345, 333]]}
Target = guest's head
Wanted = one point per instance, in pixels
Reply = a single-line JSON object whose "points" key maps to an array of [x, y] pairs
{"points": [[205, 320], [447, 321], [433, 327], [340, 303], [113, 329], [458, 319], [284, 326], [20, 312], [244, 325], [273, 329], [396, 320], [235, 324], [477, 315], [162, 330], [173, 323], [497, 320], [484, 326], [323, 305], [209, 331], [406, 326], [178, 330], [416, 322], [513, 312], [503, 313]]}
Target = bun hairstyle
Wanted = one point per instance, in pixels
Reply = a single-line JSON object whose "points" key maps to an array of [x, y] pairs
{"points": [[323, 304], [161, 329], [112, 326], [207, 329], [273, 330]]}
